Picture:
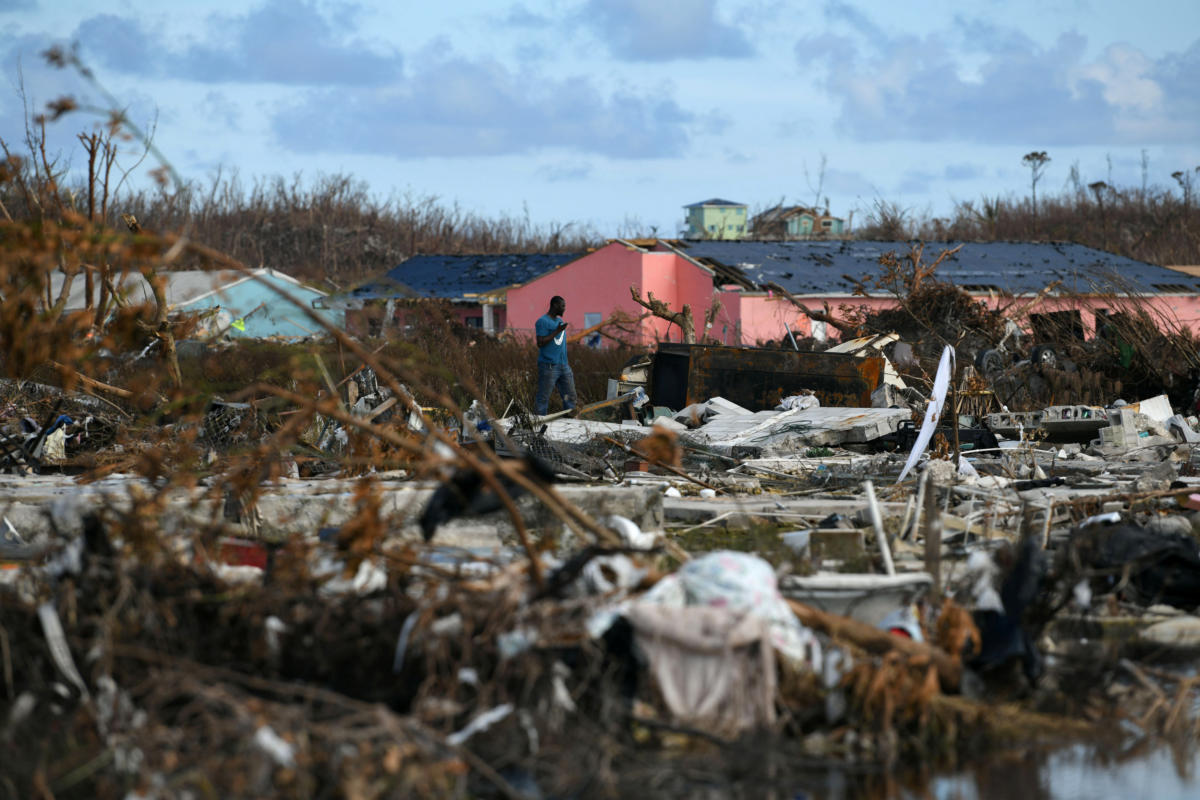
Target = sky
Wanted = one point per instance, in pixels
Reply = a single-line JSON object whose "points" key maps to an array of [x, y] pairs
{"points": [[614, 114]]}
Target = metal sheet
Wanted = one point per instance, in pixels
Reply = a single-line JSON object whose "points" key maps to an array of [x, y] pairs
{"points": [[758, 379], [818, 267]]}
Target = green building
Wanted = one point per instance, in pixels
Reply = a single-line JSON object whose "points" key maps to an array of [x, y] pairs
{"points": [[716, 219]]}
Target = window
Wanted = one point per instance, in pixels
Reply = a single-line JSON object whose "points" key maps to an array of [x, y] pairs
{"points": [[826, 223], [592, 318], [712, 228], [474, 322]]}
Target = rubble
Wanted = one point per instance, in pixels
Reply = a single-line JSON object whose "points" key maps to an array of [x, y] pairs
{"points": [[349, 589]]}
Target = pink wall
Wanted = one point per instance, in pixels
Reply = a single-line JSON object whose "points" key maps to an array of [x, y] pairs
{"points": [[599, 282], [763, 318]]}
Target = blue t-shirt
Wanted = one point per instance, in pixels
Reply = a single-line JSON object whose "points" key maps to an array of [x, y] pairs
{"points": [[554, 351]]}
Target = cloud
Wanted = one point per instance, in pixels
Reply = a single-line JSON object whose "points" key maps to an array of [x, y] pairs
{"points": [[118, 43], [276, 42], [916, 181], [518, 16], [847, 182], [289, 43], [962, 172], [457, 107], [17, 5], [216, 106], [664, 30], [997, 86], [565, 171]]}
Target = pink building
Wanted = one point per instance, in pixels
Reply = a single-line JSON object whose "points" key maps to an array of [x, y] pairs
{"points": [[597, 285], [510, 292]]}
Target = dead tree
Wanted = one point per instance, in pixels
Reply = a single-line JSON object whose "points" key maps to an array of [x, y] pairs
{"points": [[684, 319], [847, 329], [160, 328]]}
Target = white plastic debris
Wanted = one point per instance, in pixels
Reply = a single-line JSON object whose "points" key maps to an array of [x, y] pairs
{"points": [[1109, 518], [937, 400], [671, 491], [797, 541], [606, 574], [513, 643], [630, 533], [479, 724], [279, 749], [709, 493], [798, 402], [983, 570], [56, 640], [369, 578], [1082, 592], [273, 628]]}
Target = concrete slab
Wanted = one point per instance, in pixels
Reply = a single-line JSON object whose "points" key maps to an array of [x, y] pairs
{"points": [[747, 512], [757, 434], [40, 505], [579, 431]]}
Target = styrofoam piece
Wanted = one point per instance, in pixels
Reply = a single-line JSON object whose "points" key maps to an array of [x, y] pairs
{"points": [[721, 405], [1157, 408]]}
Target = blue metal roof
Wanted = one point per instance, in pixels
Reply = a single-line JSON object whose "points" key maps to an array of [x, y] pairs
{"points": [[453, 277], [817, 267]]}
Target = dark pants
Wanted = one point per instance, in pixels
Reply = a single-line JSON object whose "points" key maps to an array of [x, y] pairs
{"points": [[551, 376]]}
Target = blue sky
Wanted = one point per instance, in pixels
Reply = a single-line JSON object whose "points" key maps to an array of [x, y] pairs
{"points": [[616, 113]]}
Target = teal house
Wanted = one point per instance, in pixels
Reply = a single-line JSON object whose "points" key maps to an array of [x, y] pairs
{"points": [[796, 222], [252, 304], [716, 219]]}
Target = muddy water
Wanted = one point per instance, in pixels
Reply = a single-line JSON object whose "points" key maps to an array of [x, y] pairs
{"points": [[1074, 773], [1069, 772]]}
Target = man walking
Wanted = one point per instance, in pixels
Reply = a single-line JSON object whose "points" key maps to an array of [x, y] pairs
{"points": [[553, 370]]}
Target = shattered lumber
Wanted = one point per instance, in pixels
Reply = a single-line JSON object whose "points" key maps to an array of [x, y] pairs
{"points": [[877, 641]]}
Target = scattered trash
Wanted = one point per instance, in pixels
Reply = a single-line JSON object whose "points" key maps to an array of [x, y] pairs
{"points": [[701, 555]]}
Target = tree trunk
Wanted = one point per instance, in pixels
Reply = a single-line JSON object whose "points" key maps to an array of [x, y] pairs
{"points": [[684, 318]]}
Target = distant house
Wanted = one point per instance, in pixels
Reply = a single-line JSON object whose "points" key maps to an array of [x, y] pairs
{"points": [[740, 282], [820, 272], [243, 304], [795, 222], [476, 286], [716, 219]]}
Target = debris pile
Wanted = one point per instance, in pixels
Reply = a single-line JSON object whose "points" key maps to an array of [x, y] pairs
{"points": [[865, 558]]}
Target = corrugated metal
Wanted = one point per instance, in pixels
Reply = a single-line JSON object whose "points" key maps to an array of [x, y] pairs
{"points": [[453, 277], [818, 267]]}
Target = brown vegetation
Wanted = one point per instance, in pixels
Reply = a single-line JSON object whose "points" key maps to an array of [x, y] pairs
{"points": [[1156, 224]]}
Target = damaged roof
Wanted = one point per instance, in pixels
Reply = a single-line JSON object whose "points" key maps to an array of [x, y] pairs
{"points": [[714, 201], [820, 267], [453, 277]]}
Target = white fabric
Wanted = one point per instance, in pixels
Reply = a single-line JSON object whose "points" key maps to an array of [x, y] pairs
{"points": [[941, 384], [714, 668], [744, 584]]}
